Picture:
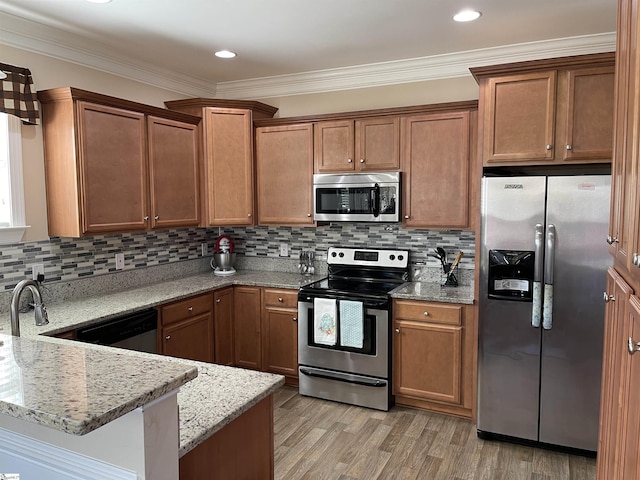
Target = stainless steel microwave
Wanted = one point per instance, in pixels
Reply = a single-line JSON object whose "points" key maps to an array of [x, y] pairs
{"points": [[357, 197]]}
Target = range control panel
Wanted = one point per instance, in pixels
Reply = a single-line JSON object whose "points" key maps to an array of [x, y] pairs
{"points": [[368, 257]]}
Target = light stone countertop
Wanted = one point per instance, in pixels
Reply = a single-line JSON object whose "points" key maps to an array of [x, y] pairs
{"points": [[434, 292], [74, 388]]}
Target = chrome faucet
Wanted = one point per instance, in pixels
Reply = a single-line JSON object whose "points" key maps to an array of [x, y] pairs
{"points": [[39, 310]]}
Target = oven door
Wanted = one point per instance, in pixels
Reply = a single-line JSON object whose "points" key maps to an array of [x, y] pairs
{"points": [[372, 359]]}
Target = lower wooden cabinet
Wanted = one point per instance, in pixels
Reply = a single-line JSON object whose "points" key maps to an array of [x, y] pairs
{"points": [[223, 304], [434, 356], [246, 327], [186, 328], [280, 333]]}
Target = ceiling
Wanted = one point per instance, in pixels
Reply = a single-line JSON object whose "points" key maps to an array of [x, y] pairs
{"points": [[298, 46]]}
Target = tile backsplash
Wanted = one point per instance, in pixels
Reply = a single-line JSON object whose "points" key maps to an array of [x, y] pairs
{"points": [[67, 259]]}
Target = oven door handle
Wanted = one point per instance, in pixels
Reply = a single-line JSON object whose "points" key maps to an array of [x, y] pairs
{"points": [[343, 378]]}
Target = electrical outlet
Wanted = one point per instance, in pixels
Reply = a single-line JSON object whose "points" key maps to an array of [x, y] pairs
{"points": [[284, 250], [119, 261], [37, 269], [204, 249]]}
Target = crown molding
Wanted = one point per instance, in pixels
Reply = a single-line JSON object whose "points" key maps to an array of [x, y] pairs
{"points": [[422, 69], [39, 38]]}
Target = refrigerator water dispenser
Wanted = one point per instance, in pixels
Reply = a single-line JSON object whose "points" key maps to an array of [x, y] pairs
{"points": [[511, 275]]}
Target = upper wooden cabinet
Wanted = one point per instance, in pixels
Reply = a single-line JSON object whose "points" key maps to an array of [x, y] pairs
{"points": [[227, 167], [368, 144], [437, 159], [116, 166], [547, 111], [284, 158]]}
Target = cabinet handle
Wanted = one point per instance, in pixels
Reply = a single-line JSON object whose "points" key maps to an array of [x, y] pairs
{"points": [[549, 146], [146, 219], [349, 160], [168, 337], [217, 300], [397, 330], [190, 309], [362, 160], [280, 299], [611, 240], [295, 319], [156, 218], [426, 314], [406, 217], [633, 347], [609, 298], [569, 147], [636, 260]]}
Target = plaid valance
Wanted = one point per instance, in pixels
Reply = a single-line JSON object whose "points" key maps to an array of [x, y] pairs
{"points": [[17, 97]]}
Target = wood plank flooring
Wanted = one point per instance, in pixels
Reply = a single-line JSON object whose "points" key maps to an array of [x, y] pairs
{"points": [[320, 440]]}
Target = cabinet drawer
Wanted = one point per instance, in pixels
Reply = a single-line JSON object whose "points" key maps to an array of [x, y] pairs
{"points": [[187, 308], [280, 298], [428, 312]]}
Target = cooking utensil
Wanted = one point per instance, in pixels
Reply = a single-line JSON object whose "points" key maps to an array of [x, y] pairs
{"points": [[455, 263], [443, 254]]}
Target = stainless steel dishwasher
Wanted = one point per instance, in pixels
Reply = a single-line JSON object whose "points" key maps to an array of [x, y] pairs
{"points": [[136, 331]]}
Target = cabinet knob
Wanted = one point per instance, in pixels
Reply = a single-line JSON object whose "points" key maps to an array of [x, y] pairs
{"points": [[362, 160], [217, 300], [349, 160], [426, 314], [611, 240], [397, 330], [280, 299], [308, 214], [568, 147], [633, 346], [156, 218], [406, 217], [190, 309], [549, 146], [168, 337], [295, 319], [249, 215], [609, 298], [146, 219]]}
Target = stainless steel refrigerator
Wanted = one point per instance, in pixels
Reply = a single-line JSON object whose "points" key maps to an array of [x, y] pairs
{"points": [[543, 264]]}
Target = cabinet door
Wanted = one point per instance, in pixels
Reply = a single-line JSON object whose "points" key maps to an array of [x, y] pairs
{"points": [[427, 361], [113, 168], [228, 166], [520, 118], [630, 436], [285, 174], [585, 112], [436, 168], [613, 357], [246, 327], [280, 341], [223, 326], [377, 145], [333, 148], [191, 339], [173, 171]]}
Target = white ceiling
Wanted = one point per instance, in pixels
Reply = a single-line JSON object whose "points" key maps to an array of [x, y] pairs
{"points": [[298, 46]]}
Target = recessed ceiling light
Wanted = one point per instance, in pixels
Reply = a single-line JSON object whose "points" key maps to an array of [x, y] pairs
{"points": [[225, 54], [467, 16]]}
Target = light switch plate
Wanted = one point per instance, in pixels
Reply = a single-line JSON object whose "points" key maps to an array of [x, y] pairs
{"points": [[119, 261], [284, 250], [37, 269]]}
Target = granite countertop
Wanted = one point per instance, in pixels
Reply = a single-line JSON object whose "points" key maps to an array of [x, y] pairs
{"points": [[74, 388], [434, 292]]}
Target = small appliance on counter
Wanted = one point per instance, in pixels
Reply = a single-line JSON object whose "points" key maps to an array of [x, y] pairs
{"points": [[223, 257]]}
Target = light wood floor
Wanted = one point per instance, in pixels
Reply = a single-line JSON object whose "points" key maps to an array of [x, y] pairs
{"points": [[316, 439]]}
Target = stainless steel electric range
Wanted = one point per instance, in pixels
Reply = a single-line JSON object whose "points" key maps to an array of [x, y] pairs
{"points": [[344, 327]]}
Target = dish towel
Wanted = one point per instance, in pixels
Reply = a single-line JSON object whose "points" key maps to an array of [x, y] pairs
{"points": [[351, 324], [324, 321]]}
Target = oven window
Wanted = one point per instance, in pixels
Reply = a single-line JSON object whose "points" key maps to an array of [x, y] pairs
{"points": [[368, 342]]}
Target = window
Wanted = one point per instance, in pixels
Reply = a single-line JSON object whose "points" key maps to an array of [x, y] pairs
{"points": [[12, 216]]}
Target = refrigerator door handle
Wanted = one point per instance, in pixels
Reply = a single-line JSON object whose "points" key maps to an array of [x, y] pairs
{"points": [[547, 309], [536, 307]]}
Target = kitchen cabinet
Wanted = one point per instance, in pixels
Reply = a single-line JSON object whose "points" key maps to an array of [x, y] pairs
{"points": [[556, 111], [361, 145], [228, 163], [438, 152], [247, 327], [108, 162], [223, 308], [187, 328], [284, 158], [280, 333], [433, 358]]}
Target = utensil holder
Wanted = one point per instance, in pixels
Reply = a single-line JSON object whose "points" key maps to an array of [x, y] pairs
{"points": [[448, 277], [306, 266]]}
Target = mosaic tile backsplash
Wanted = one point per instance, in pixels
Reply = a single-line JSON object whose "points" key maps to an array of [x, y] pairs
{"points": [[66, 259]]}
